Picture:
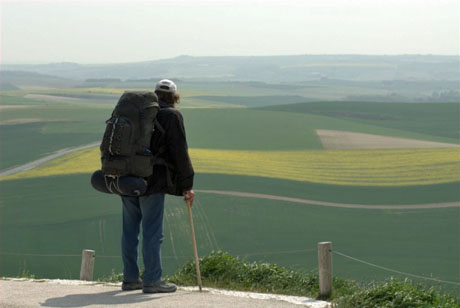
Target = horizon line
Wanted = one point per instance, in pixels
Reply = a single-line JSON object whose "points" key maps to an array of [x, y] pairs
{"points": [[231, 56]]}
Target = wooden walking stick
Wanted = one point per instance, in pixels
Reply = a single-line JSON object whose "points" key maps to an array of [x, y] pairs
{"points": [[195, 251]]}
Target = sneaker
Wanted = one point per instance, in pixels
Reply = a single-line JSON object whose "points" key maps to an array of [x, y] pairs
{"points": [[159, 287], [130, 286]]}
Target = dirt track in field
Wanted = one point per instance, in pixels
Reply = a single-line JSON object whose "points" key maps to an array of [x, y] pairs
{"points": [[333, 204], [27, 121], [12, 107], [335, 140], [55, 98], [38, 162]]}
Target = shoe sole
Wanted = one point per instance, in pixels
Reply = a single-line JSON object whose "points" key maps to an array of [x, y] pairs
{"points": [[158, 291], [131, 289]]}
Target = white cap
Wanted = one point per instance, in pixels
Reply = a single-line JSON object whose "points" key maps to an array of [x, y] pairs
{"points": [[166, 85]]}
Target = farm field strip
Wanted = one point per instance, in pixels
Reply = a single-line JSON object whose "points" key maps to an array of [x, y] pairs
{"points": [[335, 139], [29, 120], [352, 167], [96, 96], [13, 107], [54, 97], [192, 103], [395, 167], [75, 91]]}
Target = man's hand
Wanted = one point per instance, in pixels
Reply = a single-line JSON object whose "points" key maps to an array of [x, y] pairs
{"points": [[189, 195]]}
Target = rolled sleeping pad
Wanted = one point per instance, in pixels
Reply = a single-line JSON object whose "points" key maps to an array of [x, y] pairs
{"points": [[124, 185]]}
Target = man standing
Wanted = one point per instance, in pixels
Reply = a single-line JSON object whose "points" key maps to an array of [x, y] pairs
{"points": [[172, 174]]}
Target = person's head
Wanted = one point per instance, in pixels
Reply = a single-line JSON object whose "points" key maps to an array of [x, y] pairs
{"points": [[166, 90]]}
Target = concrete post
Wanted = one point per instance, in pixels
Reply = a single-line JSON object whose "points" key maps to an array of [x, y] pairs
{"points": [[87, 265], [325, 269]]}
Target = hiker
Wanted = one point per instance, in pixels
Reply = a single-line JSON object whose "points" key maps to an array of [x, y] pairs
{"points": [[172, 174]]}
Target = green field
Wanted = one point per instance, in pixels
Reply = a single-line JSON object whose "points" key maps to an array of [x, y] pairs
{"points": [[54, 218], [44, 216], [438, 121], [54, 126], [217, 128]]}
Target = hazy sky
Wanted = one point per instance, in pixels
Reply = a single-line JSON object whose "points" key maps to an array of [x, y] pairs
{"points": [[127, 31]]}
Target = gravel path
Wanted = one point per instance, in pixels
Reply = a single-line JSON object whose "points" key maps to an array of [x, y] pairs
{"points": [[20, 293]]}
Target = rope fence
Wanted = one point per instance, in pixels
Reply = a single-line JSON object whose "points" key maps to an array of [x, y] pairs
{"points": [[36, 254], [275, 252], [393, 270], [74, 256], [257, 254], [163, 257]]}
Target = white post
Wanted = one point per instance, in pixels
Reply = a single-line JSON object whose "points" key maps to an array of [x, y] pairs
{"points": [[87, 264], [325, 269]]}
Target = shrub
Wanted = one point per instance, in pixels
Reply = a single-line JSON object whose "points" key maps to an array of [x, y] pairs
{"points": [[113, 277], [27, 274], [224, 271], [395, 293]]}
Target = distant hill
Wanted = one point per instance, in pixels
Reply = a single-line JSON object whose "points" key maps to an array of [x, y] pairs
{"points": [[276, 69], [5, 86], [15, 80]]}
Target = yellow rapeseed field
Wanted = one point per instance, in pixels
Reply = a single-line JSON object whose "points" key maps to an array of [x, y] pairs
{"points": [[394, 167]]}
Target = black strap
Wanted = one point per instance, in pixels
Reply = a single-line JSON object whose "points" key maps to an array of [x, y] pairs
{"points": [[157, 160], [159, 127], [162, 149], [141, 121]]}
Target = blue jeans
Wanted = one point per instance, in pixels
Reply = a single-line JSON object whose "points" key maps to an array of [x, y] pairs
{"points": [[148, 211]]}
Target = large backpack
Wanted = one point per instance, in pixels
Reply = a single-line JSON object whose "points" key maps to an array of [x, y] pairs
{"points": [[125, 148]]}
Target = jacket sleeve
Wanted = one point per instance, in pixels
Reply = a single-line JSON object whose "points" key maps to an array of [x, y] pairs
{"points": [[178, 151]]}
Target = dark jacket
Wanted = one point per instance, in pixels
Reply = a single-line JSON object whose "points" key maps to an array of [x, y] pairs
{"points": [[173, 172]]}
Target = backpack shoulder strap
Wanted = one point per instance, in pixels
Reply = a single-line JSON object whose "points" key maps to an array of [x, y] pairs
{"points": [[161, 142], [158, 126]]}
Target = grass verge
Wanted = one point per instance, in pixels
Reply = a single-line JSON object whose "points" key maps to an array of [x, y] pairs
{"points": [[397, 293], [220, 270]]}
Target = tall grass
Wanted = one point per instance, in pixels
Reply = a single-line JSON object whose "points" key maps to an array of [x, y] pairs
{"points": [[395, 293], [221, 270]]}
